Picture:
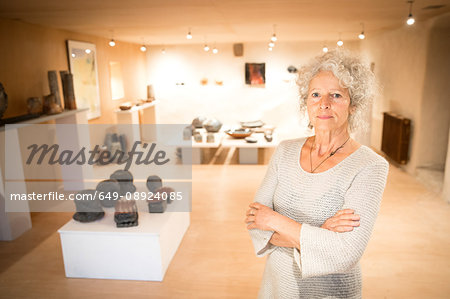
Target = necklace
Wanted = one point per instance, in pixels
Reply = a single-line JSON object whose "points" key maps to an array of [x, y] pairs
{"points": [[331, 154]]}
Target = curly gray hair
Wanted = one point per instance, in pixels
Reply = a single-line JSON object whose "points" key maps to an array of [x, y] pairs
{"points": [[352, 74]]}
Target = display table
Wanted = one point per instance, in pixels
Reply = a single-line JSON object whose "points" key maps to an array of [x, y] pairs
{"points": [[101, 250], [142, 114], [248, 152], [192, 153]]}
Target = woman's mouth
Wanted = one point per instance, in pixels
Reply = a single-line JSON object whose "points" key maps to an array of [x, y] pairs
{"points": [[324, 116]]}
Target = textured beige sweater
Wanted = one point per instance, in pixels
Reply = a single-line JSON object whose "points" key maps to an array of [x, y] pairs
{"points": [[328, 264]]}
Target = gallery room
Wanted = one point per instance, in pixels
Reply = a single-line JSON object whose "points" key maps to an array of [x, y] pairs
{"points": [[225, 149]]}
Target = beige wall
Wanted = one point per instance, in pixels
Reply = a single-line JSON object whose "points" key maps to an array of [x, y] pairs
{"points": [[403, 60], [435, 108], [276, 103], [28, 51]]}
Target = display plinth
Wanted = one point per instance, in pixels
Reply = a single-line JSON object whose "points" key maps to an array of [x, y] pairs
{"points": [[101, 250]]}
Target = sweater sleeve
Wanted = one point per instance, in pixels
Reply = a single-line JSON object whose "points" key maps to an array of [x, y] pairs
{"points": [[325, 252], [264, 195]]}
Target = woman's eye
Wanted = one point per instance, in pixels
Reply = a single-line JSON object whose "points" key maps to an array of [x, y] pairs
{"points": [[336, 95], [315, 94]]}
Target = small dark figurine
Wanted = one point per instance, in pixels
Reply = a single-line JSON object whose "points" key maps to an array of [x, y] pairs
{"points": [[126, 214], [125, 179], [156, 204], [88, 207], [154, 182], [108, 192]]}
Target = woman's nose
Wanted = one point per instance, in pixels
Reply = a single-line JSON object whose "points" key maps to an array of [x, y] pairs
{"points": [[324, 103]]}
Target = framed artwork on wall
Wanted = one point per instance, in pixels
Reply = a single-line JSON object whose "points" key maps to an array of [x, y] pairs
{"points": [[83, 65], [255, 74]]}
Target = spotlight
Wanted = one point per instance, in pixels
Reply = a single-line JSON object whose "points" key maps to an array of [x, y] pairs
{"points": [[325, 49], [189, 35], [270, 49], [340, 43], [143, 48], [87, 51], [274, 38], [206, 48], [215, 51], [112, 43], [271, 44], [410, 21], [163, 51], [361, 35]]}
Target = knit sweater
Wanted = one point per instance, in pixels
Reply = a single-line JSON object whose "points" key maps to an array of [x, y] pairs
{"points": [[327, 265]]}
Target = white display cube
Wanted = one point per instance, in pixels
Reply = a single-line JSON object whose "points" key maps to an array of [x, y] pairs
{"points": [[101, 250]]}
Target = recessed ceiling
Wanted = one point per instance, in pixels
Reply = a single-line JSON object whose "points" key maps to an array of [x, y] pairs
{"points": [[168, 21]]}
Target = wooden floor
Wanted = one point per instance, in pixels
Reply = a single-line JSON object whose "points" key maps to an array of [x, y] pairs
{"points": [[407, 257]]}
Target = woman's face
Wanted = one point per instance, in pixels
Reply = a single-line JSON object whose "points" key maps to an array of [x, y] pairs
{"points": [[328, 103]]}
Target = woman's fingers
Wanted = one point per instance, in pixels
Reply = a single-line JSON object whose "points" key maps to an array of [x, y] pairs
{"points": [[255, 205], [347, 217], [345, 211], [250, 219], [344, 223], [343, 229]]}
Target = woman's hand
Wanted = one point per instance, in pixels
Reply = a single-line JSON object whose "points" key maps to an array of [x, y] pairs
{"points": [[280, 240], [260, 216], [342, 221]]}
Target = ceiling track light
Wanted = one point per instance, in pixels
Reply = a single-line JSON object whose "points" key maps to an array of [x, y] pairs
{"points": [[325, 49], [215, 51], [271, 44], [410, 21], [112, 43], [274, 35], [163, 51], [340, 43], [270, 49], [206, 48], [189, 35], [143, 48], [362, 35]]}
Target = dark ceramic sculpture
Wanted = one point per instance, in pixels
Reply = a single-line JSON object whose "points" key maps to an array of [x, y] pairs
{"points": [[54, 86], [3, 100], [187, 133], [50, 105], [212, 125], [154, 182], [122, 176], [127, 188], [156, 204], [108, 192], [165, 193], [198, 122], [88, 207], [34, 105], [68, 90], [126, 214]]}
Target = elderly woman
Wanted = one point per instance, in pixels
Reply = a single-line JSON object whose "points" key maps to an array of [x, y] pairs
{"points": [[316, 207]]}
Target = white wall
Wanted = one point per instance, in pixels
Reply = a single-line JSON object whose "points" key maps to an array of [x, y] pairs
{"points": [[412, 63], [276, 103]]}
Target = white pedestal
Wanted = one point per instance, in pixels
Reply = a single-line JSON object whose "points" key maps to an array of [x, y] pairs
{"points": [[101, 250], [194, 154], [14, 224], [248, 152], [137, 115]]}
